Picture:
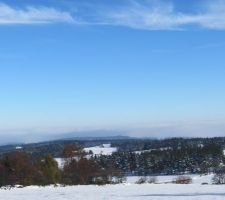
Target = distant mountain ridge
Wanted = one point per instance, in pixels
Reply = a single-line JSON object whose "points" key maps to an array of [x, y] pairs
{"points": [[15, 138]]}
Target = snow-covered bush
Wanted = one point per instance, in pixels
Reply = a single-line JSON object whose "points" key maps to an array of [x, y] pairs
{"points": [[141, 180], [218, 178]]}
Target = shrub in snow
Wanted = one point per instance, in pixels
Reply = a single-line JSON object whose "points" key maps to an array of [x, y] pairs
{"points": [[218, 178], [141, 180], [183, 180]]}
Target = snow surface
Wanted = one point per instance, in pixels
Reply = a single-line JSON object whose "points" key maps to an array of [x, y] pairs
{"points": [[104, 149], [128, 191], [117, 192], [60, 162]]}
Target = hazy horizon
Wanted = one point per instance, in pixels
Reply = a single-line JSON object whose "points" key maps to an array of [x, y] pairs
{"points": [[159, 131]]}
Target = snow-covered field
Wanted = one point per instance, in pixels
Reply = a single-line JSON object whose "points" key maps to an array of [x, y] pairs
{"points": [[118, 192], [126, 191], [163, 190], [104, 149]]}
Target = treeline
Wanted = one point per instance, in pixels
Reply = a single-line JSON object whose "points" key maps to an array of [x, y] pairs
{"points": [[21, 168], [174, 143], [54, 148], [171, 160]]}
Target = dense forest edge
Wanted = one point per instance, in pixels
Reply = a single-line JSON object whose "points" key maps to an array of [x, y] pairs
{"points": [[34, 164]]}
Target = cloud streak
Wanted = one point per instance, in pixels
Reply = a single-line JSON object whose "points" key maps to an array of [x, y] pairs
{"points": [[136, 14], [32, 15], [159, 15]]}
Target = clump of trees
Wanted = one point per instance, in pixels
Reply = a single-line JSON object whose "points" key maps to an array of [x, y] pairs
{"points": [[20, 168], [78, 169]]}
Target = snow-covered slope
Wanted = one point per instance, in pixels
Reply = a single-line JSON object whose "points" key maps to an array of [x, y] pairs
{"points": [[104, 149]]}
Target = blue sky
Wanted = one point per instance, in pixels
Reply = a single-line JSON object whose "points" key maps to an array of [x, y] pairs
{"points": [[152, 68]]}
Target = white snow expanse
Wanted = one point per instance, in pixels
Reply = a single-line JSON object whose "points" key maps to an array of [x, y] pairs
{"points": [[104, 149], [126, 191]]}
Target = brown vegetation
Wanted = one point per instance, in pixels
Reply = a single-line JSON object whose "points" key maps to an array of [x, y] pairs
{"points": [[20, 168], [183, 180]]}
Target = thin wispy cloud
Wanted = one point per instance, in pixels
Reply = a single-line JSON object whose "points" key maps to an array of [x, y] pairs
{"points": [[152, 15], [32, 15], [136, 14]]}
